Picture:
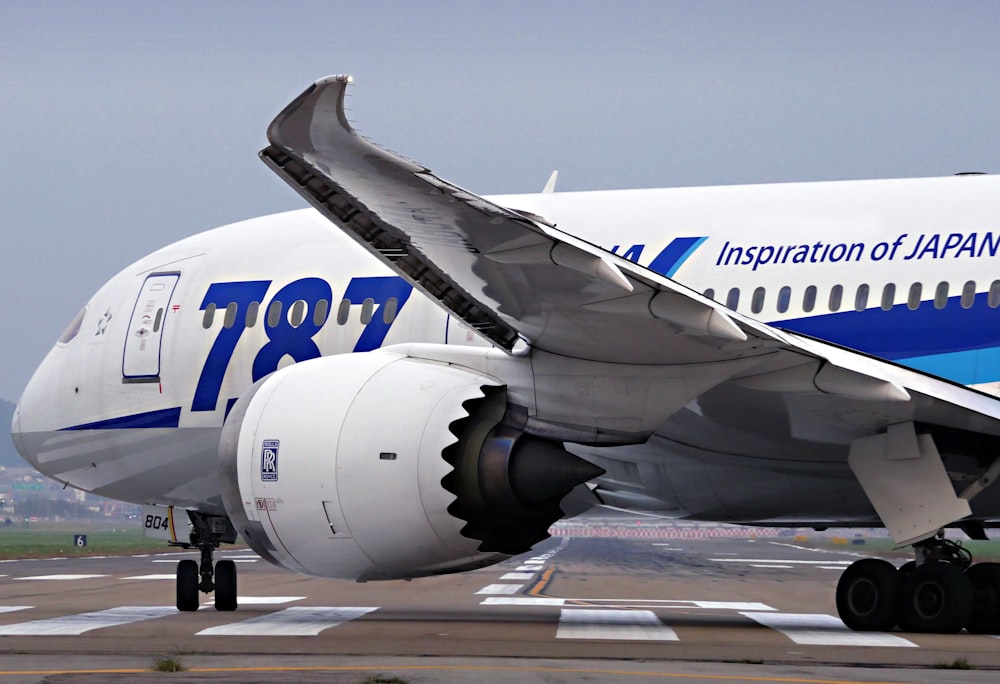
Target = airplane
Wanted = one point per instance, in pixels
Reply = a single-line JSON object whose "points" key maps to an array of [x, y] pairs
{"points": [[408, 379]]}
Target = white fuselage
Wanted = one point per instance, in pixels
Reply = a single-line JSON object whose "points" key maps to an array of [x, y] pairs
{"points": [[131, 407]]}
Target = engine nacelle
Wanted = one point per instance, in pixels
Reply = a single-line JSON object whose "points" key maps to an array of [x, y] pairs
{"points": [[379, 466]]}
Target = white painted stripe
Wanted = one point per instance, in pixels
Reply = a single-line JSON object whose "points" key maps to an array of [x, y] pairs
{"points": [[534, 561], [518, 576], [261, 600], [295, 621], [632, 625], [733, 605], [775, 567], [151, 577], [85, 622], [522, 601], [244, 560], [829, 567], [243, 557], [817, 629], [501, 589], [59, 577], [780, 560], [12, 609]]}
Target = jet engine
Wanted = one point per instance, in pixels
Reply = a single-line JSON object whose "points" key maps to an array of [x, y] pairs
{"points": [[379, 466]]}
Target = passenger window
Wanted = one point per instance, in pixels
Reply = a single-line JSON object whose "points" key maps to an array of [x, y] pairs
{"points": [[367, 311], [994, 298], [941, 295], [757, 303], [252, 310], [809, 299], [389, 310], [913, 300], [861, 298], [230, 320], [784, 299], [888, 296], [274, 314], [836, 295], [969, 294], [206, 321], [297, 313], [343, 311], [733, 299], [710, 293], [321, 312]]}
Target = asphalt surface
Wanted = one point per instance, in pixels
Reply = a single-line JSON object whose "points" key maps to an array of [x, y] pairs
{"points": [[574, 609]]}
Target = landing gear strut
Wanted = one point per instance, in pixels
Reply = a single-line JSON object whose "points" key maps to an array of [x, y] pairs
{"points": [[941, 591], [207, 533]]}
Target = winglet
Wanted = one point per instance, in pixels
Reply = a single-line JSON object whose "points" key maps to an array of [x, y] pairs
{"points": [[550, 185]]}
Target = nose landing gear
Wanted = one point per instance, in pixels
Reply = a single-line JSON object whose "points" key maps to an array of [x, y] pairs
{"points": [[940, 592], [207, 533]]}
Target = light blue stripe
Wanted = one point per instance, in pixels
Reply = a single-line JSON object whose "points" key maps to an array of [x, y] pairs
{"points": [[684, 257], [966, 367]]}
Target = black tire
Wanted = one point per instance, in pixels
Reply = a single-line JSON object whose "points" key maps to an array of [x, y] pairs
{"points": [[187, 585], [225, 585], [985, 579], [905, 570], [938, 598], [868, 596]]}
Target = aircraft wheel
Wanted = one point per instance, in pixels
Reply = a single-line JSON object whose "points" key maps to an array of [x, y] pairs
{"points": [[985, 579], [187, 585], [868, 596], [937, 597], [905, 570], [225, 585]]}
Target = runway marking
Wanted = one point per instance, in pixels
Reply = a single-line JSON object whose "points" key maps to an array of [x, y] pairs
{"points": [[151, 577], [261, 600], [525, 568], [85, 622], [295, 621], [781, 560], [522, 601], [59, 577], [518, 576], [829, 567], [630, 625], [532, 561], [817, 629], [775, 567], [501, 589], [627, 603], [12, 609]]}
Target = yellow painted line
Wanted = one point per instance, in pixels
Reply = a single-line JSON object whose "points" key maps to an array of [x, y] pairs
{"points": [[459, 668], [542, 582]]}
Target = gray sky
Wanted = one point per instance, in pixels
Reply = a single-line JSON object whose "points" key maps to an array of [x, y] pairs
{"points": [[126, 126]]}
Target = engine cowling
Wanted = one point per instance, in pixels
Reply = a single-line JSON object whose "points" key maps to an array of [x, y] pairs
{"points": [[380, 466]]}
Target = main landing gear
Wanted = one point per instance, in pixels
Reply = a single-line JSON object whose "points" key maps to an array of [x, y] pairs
{"points": [[941, 591], [207, 532]]}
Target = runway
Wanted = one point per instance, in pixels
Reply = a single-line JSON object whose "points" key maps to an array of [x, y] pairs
{"points": [[750, 603]]}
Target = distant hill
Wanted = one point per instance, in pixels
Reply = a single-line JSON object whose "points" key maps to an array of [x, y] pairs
{"points": [[8, 454]]}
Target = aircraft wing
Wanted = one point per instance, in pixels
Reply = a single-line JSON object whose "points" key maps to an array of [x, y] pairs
{"points": [[512, 275]]}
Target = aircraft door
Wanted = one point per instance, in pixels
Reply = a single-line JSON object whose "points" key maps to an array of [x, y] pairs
{"points": [[141, 362]]}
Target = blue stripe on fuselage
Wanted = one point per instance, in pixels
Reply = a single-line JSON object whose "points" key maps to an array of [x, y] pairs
{"points": [[962, 345], [164, 418]]}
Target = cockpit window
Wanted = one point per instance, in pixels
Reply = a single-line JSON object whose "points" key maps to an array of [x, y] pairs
{"points": [[73, 328]]}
